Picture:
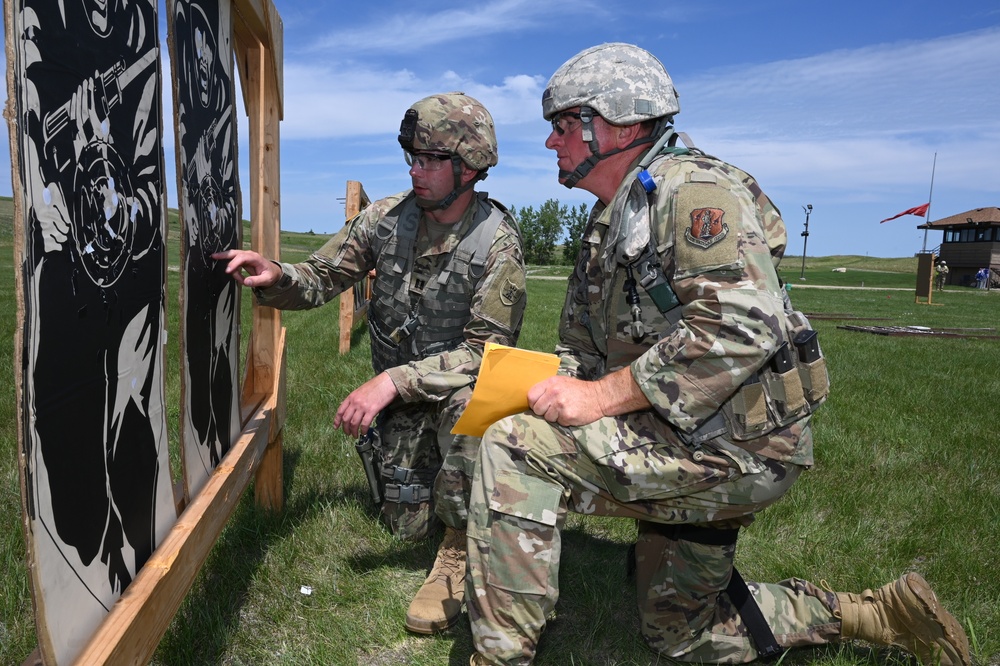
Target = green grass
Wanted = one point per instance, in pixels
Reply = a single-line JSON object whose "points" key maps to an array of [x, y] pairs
{"points": [[907, 477]]}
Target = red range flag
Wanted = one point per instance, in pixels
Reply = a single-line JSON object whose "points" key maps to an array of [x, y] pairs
{"points": [[919, 210]]}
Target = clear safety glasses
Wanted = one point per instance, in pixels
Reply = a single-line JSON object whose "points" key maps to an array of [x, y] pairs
{"points": [[563, 122], [427, 161]]}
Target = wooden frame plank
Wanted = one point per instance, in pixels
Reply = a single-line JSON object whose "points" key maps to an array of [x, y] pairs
{"points": [[261, 86], [133, 629], [356, 200], [257, 21]]}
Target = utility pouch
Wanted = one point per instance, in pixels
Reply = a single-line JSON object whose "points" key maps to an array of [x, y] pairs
{"points": [[369, 447], [784, 387], [746, 412], [771, 398], [385, 351], [815, 381], [812, 368], [808, 357]]}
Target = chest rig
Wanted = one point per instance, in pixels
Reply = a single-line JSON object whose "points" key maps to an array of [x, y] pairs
{"points": [[624, 258], [790, 385], [415, 316]]}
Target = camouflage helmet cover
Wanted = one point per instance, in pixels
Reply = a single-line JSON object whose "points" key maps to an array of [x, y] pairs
{"points": [[456, 124], [623, 83]]}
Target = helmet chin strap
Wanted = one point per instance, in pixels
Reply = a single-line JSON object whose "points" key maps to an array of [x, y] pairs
{"points": [[587, 134], [456, 170]]}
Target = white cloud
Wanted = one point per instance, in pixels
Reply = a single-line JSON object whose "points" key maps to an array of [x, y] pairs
{"points": [[941, 85], [429, 28], [343, 100]]}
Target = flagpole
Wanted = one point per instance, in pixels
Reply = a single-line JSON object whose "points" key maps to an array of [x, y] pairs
{"points": [[930, 197]]}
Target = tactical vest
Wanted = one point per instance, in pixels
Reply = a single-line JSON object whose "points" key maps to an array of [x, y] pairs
{"points": [[407, 322], [792, 384]]}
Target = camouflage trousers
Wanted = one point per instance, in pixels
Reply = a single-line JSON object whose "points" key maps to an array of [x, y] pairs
{"points": [[530, 473], [419, 453]]}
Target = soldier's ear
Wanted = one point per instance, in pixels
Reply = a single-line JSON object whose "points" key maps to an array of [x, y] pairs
{"points": [[468, 173], [625, 134]]}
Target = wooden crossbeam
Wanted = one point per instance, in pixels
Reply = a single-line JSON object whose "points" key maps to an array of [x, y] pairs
{"points": [[138, 620], [349, 311]]}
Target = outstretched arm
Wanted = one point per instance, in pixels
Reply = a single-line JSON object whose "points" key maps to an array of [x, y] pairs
{"points": [[261, 272]]}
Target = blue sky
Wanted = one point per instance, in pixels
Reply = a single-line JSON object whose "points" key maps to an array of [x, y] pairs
{"points": [[839, 105]]}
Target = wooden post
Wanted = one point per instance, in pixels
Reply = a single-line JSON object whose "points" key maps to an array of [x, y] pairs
{"points": [[260, 69], [346, 319], [356, 200], [925, 279]]}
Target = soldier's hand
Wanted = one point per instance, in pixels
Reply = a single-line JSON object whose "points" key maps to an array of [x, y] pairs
{"points": [[360, 408], [574, 402], [260, 272], [566, 401]]}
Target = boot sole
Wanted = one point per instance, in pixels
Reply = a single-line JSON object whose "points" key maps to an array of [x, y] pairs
{"points": [[429, 627], [953, 647]]}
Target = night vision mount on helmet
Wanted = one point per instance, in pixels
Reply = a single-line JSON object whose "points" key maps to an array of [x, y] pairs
{"points": [[454, 124]]}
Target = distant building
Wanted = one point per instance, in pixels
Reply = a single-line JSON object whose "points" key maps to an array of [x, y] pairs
{"points": [[971, 241]]}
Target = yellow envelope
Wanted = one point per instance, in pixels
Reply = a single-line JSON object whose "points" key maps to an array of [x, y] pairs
{"points": [[501, 389]]}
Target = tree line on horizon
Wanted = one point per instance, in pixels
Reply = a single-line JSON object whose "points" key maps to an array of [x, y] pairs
{"points": [[551, 226]]}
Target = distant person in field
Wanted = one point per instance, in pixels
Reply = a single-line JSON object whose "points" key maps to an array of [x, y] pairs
{"points": [[449, 277], [982, 277], [683, 402], [940, 275]]}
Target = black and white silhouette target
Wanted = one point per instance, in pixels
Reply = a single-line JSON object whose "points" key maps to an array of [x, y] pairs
{"points": [[202, 62], [86, 89]]}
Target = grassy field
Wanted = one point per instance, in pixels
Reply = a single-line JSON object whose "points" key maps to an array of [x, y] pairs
{"points": [[907, 477]]}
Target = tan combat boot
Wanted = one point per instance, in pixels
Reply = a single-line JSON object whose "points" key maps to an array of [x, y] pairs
{"points": [[438, 603], [906, 614]]}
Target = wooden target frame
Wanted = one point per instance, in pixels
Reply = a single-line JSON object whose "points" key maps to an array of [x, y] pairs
{"points": [[135, 623], [924, 293], [354, 300]]}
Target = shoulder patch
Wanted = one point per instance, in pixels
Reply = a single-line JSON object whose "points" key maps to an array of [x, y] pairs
{"points": [[707, 227], [708, 219], [510, 293]]}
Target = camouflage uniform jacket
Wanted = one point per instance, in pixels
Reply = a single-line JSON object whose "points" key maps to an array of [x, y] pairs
{"points": [[717, 239], [492, 306]]}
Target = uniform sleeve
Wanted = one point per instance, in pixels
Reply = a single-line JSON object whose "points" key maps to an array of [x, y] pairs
{"points": [[497, 310], [340, 263], [733, 316]]}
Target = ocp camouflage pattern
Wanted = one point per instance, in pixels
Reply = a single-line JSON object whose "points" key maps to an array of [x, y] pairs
{"points": [[346, 259], [432, 390], [718, 239], [456, 124]]}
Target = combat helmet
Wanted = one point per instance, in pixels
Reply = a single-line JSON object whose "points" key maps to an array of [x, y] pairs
{"points": [[622, 83], [455, 124]]}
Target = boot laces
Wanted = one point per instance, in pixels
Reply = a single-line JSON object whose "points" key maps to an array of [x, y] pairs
{"points": [[449, 566]]}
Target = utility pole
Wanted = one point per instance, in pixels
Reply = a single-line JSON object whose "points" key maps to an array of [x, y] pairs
{"points": [[808, 208], [927, 215]]}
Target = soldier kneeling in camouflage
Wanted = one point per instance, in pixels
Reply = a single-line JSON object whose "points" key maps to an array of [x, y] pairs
{"points": [[683, 401], [449, 277]]}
